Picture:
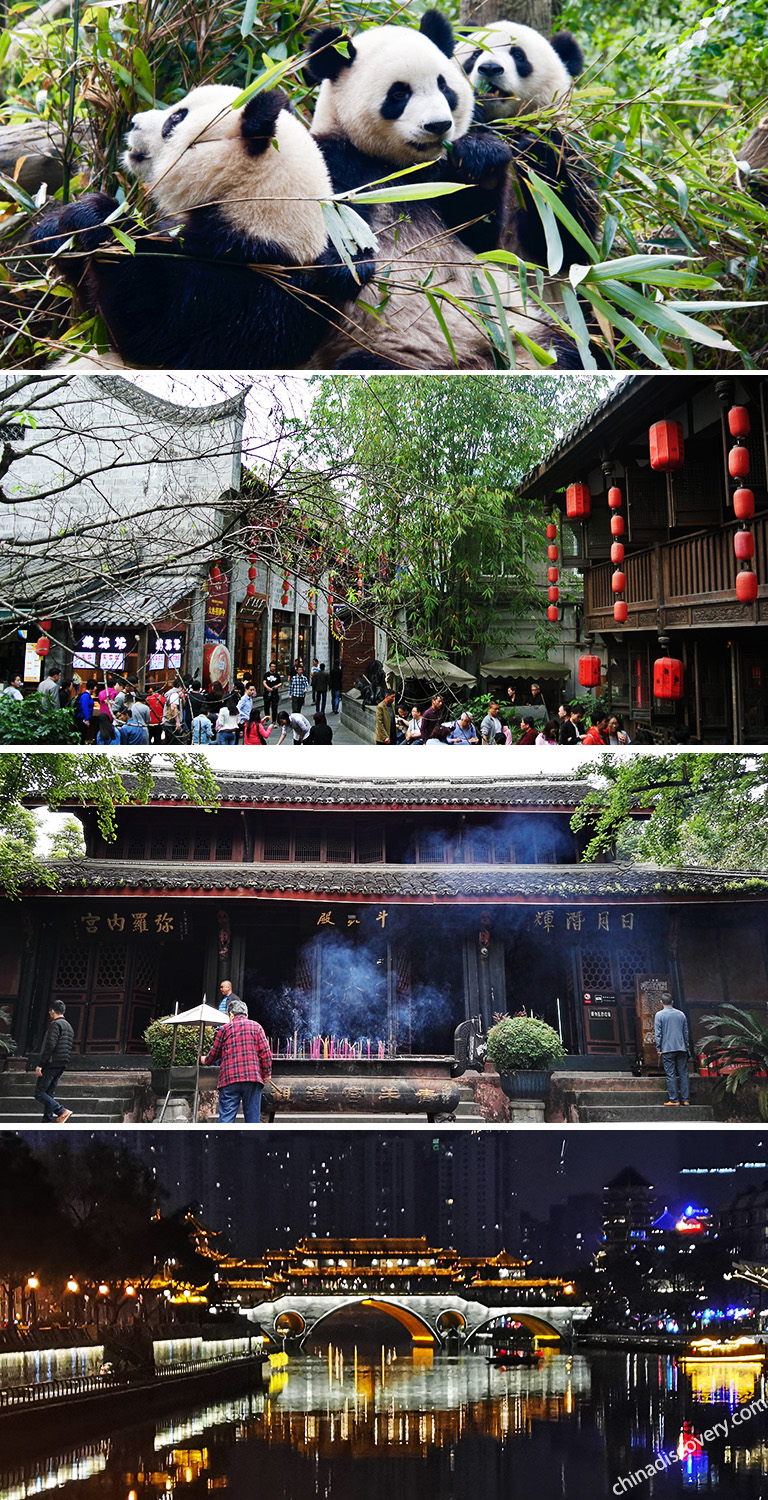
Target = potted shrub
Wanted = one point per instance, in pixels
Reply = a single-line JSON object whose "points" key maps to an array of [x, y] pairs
{"points": [[159, 1040], [522, 1049]]}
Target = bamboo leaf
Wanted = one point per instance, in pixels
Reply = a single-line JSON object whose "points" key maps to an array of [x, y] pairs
{"points": [[576, 319], [543, 190]]}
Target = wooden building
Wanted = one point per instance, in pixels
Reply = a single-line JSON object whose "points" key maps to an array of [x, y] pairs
{"points": [[680, 563], [376, 915]]}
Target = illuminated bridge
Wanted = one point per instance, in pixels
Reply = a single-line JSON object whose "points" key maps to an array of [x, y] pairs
{"points": [[430, 1320]]}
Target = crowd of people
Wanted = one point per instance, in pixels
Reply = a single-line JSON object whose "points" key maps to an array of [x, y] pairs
{"points": [[114, 711], [437, 725]]}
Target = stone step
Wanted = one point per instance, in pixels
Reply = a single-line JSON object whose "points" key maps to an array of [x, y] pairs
{"points": [[625, 1114], [101, 1108], [623, 1099]]}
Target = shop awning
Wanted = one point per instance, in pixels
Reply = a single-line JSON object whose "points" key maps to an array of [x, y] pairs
{"points": [[434, 669], [525, 666]]}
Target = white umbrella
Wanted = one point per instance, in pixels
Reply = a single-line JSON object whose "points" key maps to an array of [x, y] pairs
{"points": [[200, 1015], [434, 669]]}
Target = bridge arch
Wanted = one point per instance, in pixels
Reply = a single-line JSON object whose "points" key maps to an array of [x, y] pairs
{"points": [[539, 1327], [422, 1335], [290, 1323]]}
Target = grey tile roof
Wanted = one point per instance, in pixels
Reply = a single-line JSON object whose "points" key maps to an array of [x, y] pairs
{"points": [[386, 790], [558, 884]]}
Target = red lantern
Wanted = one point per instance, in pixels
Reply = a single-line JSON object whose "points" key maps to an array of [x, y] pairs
{"points": [[667, 678], [553, 594], [620, 612], [617, 525], [746, 586], [553, 613], [666, 444], [589, 671], [738, 421], [744, 545], [551, 531], [614, 498], [617, 553], [43, 646], [251, 590], [578, 502], [743, 505], [619, 582], [215, 572], [738, 462], [552, 575], [552, 553]]}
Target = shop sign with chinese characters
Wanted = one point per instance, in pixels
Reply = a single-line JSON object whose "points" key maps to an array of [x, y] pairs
{"points": [[346, 919], [583, 919], [154, 923]]}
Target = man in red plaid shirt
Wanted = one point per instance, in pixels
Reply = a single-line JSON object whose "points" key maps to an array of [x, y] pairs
{"points": [[243, 1052]]}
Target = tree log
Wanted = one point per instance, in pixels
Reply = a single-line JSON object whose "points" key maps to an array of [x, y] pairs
{"points": [[32, 153], [535, 13]]}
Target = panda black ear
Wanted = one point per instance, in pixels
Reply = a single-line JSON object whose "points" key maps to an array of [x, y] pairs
{"points": [[326, 61], [259, 118], [438, 28], [569, 51]]}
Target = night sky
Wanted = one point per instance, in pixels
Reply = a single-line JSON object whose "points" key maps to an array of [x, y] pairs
{"points": [[275, 1186]]}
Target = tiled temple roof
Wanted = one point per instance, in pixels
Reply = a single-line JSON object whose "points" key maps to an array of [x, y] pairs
{"points": [[381, 791], [549, 883]]}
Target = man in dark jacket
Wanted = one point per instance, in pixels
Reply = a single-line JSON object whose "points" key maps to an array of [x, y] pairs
{"points": [[57, 1050]]}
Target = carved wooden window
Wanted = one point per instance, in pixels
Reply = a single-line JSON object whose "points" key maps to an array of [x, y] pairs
{"points": [[224, 845], [202, 846], [277, 847], [338, 848], [180, 849]]}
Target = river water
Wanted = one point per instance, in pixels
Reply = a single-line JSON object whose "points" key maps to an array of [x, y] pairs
{"points": [[388, 1426]]}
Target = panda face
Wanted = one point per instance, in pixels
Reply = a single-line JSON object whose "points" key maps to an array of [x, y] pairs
{"points": [[400, 99], [168, 148], [202, 152], [515, 69]]}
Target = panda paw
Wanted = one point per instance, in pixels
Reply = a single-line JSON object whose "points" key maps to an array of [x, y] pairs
{"points": [[480, 157], [83, 219]]}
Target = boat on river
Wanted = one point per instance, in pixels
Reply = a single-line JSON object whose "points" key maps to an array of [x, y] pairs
{"points": [[733, 1350]]}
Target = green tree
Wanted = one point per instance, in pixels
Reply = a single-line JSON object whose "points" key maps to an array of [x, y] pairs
{"points": [[33, 1232], [674, 810], [52, 780], [67, 841], [427, 515]]}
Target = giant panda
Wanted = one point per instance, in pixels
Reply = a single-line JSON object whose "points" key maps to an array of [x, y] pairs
{"points": [[514, 70], [246, 278], [394, 98]]}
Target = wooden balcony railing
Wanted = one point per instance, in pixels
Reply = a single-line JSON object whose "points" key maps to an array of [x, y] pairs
{"points": [[696, 567]]}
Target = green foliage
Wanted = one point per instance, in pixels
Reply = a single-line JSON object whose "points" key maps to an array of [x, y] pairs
{"points": [[735, 1044], [706, 810], [35, 721], [519, 1042], [90, 780], [669, 96], [159, 1040], [425, 500], [67, 841], [7, 1043]]}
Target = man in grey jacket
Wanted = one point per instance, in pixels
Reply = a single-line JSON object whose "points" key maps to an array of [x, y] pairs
{"points": [[670, 1033]]}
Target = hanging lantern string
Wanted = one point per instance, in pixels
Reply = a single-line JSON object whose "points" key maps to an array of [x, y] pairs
{"points": [[743, 506]]}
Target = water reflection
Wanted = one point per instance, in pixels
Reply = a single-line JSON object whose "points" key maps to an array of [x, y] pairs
{"points": [[448, 1427]]}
